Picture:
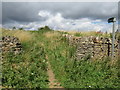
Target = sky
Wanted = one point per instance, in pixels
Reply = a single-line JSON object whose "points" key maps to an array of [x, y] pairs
{"points": [[79, 16]]}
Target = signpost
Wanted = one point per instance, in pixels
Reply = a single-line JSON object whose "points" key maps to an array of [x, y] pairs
{"points": [[112, 20]]}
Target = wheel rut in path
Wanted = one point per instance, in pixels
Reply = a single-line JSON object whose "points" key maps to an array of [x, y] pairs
{"points": [[53, 83]]}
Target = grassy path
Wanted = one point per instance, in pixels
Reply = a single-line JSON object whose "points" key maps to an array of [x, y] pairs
{"points": [[49, 43], [53, 82]]}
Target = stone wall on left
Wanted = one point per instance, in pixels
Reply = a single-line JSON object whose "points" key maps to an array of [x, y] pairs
{"points": [[10, 44]]}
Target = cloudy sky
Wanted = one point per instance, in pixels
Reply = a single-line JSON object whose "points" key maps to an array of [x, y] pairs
{"points": [[79, 16]]}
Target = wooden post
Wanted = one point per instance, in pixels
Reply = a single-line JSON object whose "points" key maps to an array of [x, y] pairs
{"points": [[108, 48], [119, 46], [112, 20], [113, 39]]}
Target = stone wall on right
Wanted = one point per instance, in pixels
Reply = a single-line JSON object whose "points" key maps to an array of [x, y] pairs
{"points": [[92, 47]]}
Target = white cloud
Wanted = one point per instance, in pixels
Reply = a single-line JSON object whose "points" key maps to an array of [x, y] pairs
{"points": [[44, 13], [58, 22]]}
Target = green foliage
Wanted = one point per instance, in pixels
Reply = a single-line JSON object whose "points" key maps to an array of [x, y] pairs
{"points": [[29, 68], [63, 32], [82, 73], [47, 28], [21, 29], [110, 35], [26, 70], [43, 29], [118, 36], [87, 74], [14, 28], [78, 34]]}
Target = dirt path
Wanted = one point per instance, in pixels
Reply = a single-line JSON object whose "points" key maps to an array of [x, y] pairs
{"points": [[53, 82]]}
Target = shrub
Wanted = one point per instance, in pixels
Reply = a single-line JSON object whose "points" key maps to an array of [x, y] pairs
{"points": [[118, 36], [78, 34], [46, 28]]}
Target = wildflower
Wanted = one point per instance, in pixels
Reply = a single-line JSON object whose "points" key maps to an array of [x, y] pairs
{"points": [[89, 86], [43, 60]]}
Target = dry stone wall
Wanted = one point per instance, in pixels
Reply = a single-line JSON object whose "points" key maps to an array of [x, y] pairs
{"points": [[94, 47], [10, 44]]}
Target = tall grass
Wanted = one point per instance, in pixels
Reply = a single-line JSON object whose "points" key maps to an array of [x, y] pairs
{"points": [[29, 68], [89, 33], [51, 34], [22, 35], [85, 74], [80, 73]]}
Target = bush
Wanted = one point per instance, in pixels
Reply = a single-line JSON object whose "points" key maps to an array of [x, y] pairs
{"points": [[46, 28], [77, 34], [118, 36]]}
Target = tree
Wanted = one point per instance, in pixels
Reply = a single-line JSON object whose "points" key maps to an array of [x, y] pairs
{"points": [[47, 28], [41, 28], [14, 28], [20, 28]]}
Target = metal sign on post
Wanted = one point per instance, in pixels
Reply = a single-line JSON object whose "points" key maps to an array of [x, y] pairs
{"points": [[113, 20]]}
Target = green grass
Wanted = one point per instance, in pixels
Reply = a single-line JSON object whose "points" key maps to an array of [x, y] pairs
{"points": [[78, 34], [86, 74], [29, 68]]}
